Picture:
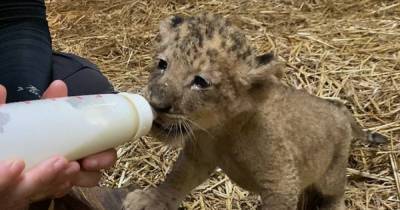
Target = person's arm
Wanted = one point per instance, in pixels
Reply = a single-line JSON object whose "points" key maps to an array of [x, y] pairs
{"points": [[25, 49], [25, 70]]}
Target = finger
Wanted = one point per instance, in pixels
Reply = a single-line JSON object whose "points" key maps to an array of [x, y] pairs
{"points": [[56, 89], [10, 172], [61, 184], [63, 190], [38, 179], [87, 179], [72, 170], [68, 176], [102, 160], [3, 94]]}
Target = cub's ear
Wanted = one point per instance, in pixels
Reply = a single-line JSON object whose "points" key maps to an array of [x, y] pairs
{"points": [[266, 69], [170, 23], [264, 59]]}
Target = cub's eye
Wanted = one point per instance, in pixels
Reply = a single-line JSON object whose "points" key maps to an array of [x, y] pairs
{"points": [[200, 83], [162, 64]]}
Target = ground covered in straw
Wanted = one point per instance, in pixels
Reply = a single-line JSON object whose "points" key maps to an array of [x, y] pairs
{"points": [[349, 49]]}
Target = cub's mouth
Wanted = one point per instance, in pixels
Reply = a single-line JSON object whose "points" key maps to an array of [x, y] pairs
{"points": [[171, 129]]}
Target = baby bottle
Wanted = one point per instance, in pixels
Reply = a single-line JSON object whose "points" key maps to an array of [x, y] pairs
{"points": [[72, 127]]}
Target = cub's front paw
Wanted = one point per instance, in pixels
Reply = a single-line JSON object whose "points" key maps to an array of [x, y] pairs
{"points": [[148, 200]]}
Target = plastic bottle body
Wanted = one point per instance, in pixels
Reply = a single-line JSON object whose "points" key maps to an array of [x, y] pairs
{"points": [[73, 127]]}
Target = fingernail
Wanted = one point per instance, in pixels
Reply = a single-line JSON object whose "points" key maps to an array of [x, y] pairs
{"points": [[14, 164], [63, 190], [93, 164], [59, 164], [66, 185], [72, 170], [9, 163], [59, 195]]}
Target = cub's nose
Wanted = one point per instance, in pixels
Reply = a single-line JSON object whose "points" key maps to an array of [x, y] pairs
{"points": [[160, 98], [161, 107]]}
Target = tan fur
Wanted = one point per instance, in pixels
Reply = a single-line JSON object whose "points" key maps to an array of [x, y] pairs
{"points": [[267, 137]]}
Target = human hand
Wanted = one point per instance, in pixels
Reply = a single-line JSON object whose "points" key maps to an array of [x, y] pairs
{"points": [[53, 177], [90, 174]]}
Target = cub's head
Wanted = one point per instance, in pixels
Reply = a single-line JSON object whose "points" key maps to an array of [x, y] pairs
{"points": [[205, 74]]}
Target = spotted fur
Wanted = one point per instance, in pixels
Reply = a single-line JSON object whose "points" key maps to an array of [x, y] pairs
{"points": [[228, 108]]}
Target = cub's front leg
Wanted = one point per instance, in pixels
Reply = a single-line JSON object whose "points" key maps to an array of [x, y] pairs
{"points": [[280, 199], [280, 188], [190, 170], [272, 168]]}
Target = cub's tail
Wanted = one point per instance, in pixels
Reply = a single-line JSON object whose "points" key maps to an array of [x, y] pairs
{"points": [[368, 136], [358, 132]]}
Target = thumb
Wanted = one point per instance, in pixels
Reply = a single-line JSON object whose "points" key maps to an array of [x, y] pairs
{"points": [[3, 94], [9, 173], [56, 89]]}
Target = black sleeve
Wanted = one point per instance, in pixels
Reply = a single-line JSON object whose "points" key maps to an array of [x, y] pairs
{"points": [[25, 49]]}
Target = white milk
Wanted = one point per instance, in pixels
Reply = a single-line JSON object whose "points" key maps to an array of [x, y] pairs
{"points": [[73, 127]]}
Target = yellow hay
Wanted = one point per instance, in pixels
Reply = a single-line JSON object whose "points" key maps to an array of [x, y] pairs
{"points": [[345, 49]]}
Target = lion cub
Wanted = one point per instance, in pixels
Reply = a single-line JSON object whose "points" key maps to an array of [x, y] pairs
{"points": [[228, 107]]}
